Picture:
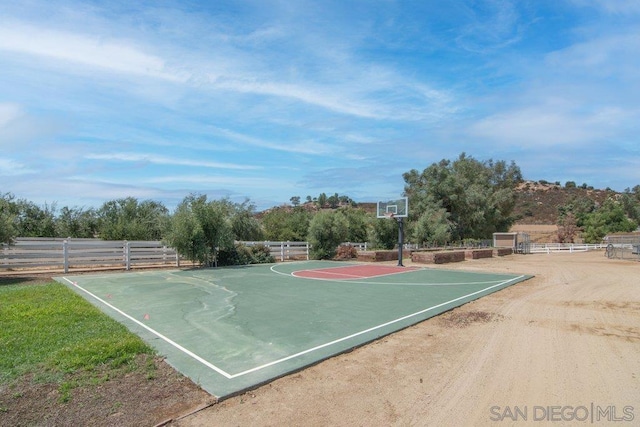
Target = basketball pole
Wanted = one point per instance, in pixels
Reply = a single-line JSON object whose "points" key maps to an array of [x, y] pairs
{"points": [[400, 240]]}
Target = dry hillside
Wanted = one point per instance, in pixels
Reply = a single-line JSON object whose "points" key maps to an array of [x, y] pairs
{"points": [[538, 203], [537, 207]]}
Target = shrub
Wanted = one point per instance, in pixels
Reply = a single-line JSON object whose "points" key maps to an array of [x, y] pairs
{"points": [[261, 255], [240, 254]]}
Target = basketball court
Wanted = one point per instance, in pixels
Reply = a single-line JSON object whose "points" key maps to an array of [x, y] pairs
{"points": [[232, 329]]}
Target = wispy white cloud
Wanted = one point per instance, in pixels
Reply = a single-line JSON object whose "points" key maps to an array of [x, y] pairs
{"points": [[493, 25], [360, 95], [603, 56], [112, 55], [165, 160], [543, 128], [218, 180], [8, 113], [19, 129], [11, 167], [302, 147], [582, 95], [359, 98], [624, 7]]}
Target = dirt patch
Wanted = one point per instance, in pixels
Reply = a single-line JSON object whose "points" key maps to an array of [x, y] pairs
{"points": [[134, 398], [32, 279], [463, 319]]}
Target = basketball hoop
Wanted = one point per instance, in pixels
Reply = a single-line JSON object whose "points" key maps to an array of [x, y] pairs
{"points": [[399, 210]]}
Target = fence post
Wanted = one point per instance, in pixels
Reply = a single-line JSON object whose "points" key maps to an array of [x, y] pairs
{"points": [[65, 255], [307, 245], [281, 251], [127, 255]]}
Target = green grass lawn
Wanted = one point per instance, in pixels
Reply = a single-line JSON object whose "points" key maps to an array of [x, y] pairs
{"points": [[49, 332]]}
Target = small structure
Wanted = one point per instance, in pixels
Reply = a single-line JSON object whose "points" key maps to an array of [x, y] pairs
{"points": [[623, 245], [518, 242]]}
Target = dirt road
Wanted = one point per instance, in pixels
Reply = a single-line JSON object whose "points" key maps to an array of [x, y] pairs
{"points": [[561, 349]]}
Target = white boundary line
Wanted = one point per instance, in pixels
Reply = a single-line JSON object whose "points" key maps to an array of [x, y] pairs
{"points": [[153, 331], [371, 329], [301, 353]]}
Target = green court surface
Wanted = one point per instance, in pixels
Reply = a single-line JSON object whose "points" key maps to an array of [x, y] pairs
{"points": [[230, 329]]}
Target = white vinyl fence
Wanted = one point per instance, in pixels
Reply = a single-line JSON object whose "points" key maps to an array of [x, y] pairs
{"points": [[88, 254], [547, 248], [65, 254], [285, 251]]}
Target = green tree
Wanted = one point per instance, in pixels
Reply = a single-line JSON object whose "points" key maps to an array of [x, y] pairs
{"points": [[295, 200], [76, 222], [432, 226], [244, 224], [631, 203], [579, 206], [358, 222], [384, 233], [333, 201], [609, 218], [326, 231], [346, 200], [127, 219], [478, 197], [286, 224], [186, 235], [322, 200], [8, 231], [33, 221], [199, 229]]}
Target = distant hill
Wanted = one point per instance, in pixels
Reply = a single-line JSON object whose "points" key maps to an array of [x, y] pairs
{"points": [[537, 207], [538, 202]]}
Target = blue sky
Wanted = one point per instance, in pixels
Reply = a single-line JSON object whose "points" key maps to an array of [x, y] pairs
{"points": [[271, 99]]}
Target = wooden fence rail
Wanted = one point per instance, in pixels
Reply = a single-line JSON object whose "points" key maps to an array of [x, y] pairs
{"points": [[66, 254], [88, 254]]}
